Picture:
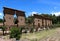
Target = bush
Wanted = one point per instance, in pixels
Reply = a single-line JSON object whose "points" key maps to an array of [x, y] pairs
{"points": [[55, 25], [31, 29], [3, 29], [16, 33]]}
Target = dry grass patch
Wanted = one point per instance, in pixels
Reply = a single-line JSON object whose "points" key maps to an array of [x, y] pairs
{"points": [[38, 35]]}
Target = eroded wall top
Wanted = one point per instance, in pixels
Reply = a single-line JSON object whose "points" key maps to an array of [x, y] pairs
{"points": [[41, 17], [8, 11], [13, 11], [20, 13]]}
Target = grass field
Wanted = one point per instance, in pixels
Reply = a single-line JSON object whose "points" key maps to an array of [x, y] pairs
{"points": [[38, 35]]}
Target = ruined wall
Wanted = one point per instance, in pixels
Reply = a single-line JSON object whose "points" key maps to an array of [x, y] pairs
{"points": [[9, 20], [8, 17], [37, 22], [44, 22], [49, 22], [20, 18]]}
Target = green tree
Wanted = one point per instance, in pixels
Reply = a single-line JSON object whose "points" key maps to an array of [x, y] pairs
{"points": [[29, 19], [16, 33], [54, 19], [1, 20], [58, 19]]}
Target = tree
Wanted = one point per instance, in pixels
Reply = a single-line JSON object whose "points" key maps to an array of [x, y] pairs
{"points": [[1, 20], [58, 19], [54, 19], [29, 20], [16, 33]]}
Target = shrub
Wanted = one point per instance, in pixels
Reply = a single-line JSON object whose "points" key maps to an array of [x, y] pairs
{"points": [[55, 25], [3, 29], [16, 33], [31, 29]]}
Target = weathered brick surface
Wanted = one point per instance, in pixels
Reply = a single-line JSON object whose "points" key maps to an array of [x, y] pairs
{"points": [[9, 17], [20, 18], [42, 21]]}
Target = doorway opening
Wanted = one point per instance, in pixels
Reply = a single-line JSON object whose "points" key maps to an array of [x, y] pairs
{"points": [[38, 24]]}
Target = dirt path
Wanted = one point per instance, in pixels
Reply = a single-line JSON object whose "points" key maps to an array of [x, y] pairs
{"points": [[54, 37]]}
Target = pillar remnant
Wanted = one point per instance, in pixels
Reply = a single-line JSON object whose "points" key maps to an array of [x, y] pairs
{"points": [[8, 16], [20, 18]]}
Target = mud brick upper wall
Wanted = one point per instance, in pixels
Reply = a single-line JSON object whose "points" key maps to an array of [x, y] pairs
{"points": [[37, 16], [20, 13], [8, 11], [13, 11], [41, 17]]}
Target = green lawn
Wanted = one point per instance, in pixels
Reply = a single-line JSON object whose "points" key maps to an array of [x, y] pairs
{"points": [[39, 35]]}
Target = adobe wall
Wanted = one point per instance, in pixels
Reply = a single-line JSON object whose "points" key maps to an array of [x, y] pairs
{"points": [[49, 22], [9, 20], [8, 17], [44, 22], [20, 18], [37, 21]]}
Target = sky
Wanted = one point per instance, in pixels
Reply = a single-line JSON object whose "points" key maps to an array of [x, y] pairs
{"points": [[32, 6]]}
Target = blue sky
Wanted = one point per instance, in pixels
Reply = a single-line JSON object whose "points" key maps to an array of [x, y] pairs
{"points": [[32, 6]]}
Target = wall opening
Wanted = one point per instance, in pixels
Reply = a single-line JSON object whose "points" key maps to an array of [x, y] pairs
{"points": [[38, 24], [15, 19]]}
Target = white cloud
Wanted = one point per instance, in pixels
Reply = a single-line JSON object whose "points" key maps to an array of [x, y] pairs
{"points": [[0, 14], [33, 13], [56, 13]]}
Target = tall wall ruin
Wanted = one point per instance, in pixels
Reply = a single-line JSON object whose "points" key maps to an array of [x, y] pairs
{"points": [[9, 17], [39, 21], [20, 18]]}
